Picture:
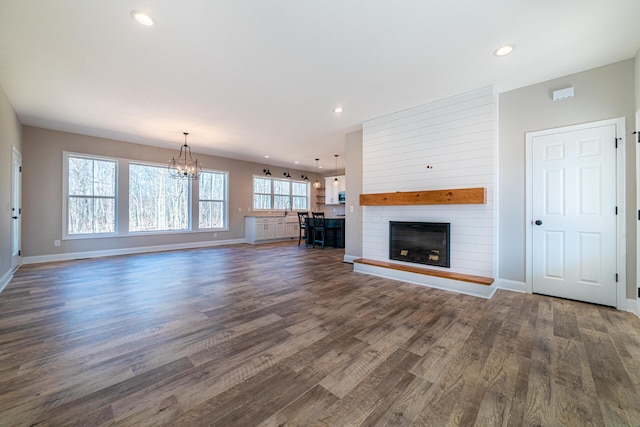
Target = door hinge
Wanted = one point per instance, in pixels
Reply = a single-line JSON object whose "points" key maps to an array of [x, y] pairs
{"points": [[616, 210], [616, 141], [20, 169], [638, 134], [616, 277], [19, 253]]}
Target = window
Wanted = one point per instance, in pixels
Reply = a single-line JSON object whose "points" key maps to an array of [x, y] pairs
{"points": [[212, 200], [279, 194], [262, 197], [157, 202], [91, 195], [300, 195]]}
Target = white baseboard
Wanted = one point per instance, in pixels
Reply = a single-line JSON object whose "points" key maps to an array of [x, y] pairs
{"points": [[632, 306], [458, 286], [511, 285], [4, 280], [126, 251], [350, 258]]}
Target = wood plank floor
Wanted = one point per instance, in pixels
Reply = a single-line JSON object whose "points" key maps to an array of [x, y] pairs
{"points": [[281, 335]]}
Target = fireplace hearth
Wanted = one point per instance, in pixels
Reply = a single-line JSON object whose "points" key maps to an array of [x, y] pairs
{"points": [[420, 242]]}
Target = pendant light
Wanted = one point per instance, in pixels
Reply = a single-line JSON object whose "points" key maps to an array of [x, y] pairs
{"points": [[317, 183], [184, 166], [335, 180]]}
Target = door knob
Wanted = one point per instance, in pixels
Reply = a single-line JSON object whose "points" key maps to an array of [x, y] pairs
{"points": [[14, 217], [538, 222]]}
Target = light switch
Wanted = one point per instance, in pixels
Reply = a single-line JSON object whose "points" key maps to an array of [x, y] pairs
{"points": [[351, 209]]}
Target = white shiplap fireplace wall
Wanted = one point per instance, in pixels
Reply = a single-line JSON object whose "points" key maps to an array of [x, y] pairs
{"points": [[445, 144]]}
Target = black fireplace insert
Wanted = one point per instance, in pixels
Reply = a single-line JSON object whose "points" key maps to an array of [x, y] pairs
{"points": [[420, 242]]}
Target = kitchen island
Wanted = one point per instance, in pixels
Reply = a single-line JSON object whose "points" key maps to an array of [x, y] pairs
{"points": [[334, 232], [271, 228]]}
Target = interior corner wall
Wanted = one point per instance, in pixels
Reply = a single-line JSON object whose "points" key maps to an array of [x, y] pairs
{"points": [[10, 137], [353, 211], [601, 93]]}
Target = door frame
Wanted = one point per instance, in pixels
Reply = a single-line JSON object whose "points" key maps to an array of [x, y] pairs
{"points": [[621, 242], [636, 141], [16, 155], [16, 187]]}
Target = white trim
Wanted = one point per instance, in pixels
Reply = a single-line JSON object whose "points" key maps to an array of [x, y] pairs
{"points": [[621, 250], [637, 287], [15, 192], [195, 213], [632, 306], [458, 286], [511, 285], [6, 279], [350, 258], [65, 196], [126, 251]]}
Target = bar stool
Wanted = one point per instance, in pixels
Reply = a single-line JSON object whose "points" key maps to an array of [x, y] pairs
{"points": [[303, 222], [318, 229]]}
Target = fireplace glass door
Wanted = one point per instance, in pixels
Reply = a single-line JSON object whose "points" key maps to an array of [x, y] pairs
{"points": [[420, 242]]}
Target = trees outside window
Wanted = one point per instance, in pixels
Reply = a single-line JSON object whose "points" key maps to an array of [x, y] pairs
{"points": [[279, 194], [90, 195], [262, 193], [157, 202], [212, 201]]}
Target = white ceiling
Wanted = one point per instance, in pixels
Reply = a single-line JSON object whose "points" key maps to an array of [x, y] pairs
{"points": [[252, 77]]}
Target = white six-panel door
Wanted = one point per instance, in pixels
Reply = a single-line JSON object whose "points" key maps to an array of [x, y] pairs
{"points": [[573, 214]]}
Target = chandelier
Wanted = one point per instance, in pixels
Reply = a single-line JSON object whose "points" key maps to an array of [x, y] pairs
{"points": [[184, 166]]}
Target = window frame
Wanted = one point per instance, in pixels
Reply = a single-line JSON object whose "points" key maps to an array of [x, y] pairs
{"points": [[128, 231], [273, 194], [65, 198], [225, 202]]}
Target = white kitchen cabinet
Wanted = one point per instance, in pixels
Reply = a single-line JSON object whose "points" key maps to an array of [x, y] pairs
{"points": [[264, 228], [292, 229], [331, 189]]}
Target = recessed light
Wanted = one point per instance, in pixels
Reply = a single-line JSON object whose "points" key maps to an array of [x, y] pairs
{"points": [[143, 18], [504, 50], [338, 110], [296, 162], [320, 167]]}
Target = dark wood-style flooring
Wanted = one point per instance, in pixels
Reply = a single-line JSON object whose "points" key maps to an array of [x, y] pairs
{"points": [[277, 335]]}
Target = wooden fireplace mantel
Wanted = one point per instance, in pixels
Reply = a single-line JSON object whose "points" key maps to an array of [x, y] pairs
{"points": [[459, 196]]}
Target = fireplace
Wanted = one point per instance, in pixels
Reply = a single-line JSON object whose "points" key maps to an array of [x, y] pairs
{"points": [[420, 242]]}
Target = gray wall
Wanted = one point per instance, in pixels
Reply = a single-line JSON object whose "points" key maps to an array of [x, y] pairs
{"points": [[637, 83], [353, 160], [42, 192], [601, 93], [10, 137]]}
